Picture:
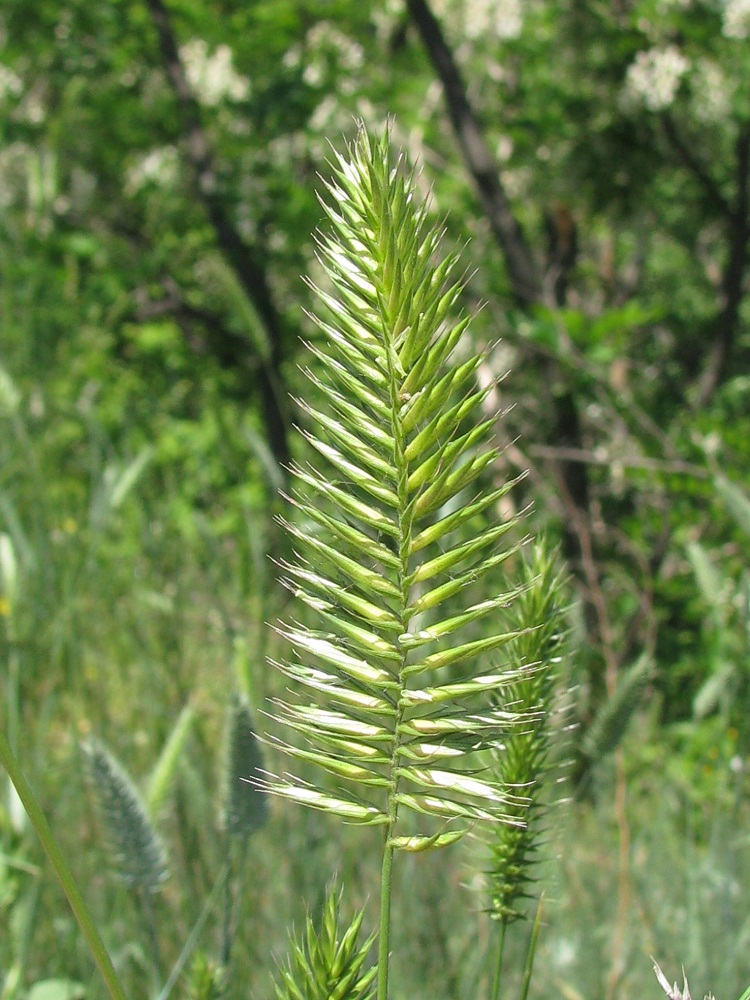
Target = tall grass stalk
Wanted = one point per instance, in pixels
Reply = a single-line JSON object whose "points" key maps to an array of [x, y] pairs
{"points": [[404, 671], [522, 761]]}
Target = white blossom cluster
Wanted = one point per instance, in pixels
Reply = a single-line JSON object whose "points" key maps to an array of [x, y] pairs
{"points": [[159, 167], [323, 43], [654, 78], [736, 19], [712, 92], [212, 76], [10, 84], [501, 19], [477, 19]]}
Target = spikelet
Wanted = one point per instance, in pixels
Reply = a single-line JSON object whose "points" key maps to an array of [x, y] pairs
{"points": [[522, 764], [206, 980], [135, 847], [325, 964], [246, 808]]}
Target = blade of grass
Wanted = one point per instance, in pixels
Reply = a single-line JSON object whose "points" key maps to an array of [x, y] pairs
{"points": [[63, 873], [528, 969]]}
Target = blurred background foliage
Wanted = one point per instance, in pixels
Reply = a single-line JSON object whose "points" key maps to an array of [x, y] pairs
{"points": [[159, 173]]}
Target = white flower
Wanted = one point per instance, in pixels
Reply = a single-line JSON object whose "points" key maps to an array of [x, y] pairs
{"points": [[326, 37], [312, 74], [324, 114], [158, 167], [508, 18], [712, 92], [10, 84], [654, 78], [736, 20], [212, 77], [501, 19]]}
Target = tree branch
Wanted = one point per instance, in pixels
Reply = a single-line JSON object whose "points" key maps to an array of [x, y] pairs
{"points": [[245, 260], [525, 279], [606, 459], [205, 331], [690, 161], [733, 279]]}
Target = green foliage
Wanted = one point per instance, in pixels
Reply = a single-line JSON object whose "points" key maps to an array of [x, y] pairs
{"points": [[724, 588], [136, 478], [737, 503], [326, 964]]}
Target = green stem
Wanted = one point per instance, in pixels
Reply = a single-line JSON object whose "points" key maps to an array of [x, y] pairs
{"points": [[237, 849], [195, 934], [526, 981], [384, 937], [495, 994], [147, 908], [62, 871], [226, 933], [404, 548]]}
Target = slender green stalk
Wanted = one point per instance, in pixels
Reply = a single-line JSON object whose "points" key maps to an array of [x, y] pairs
{"points": [[195, 933], [495, 994], [62, 871], [529, 967], [237, 850], [404, 545], [146, 899], [384, 935], [396, 667], [226, 933]]}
